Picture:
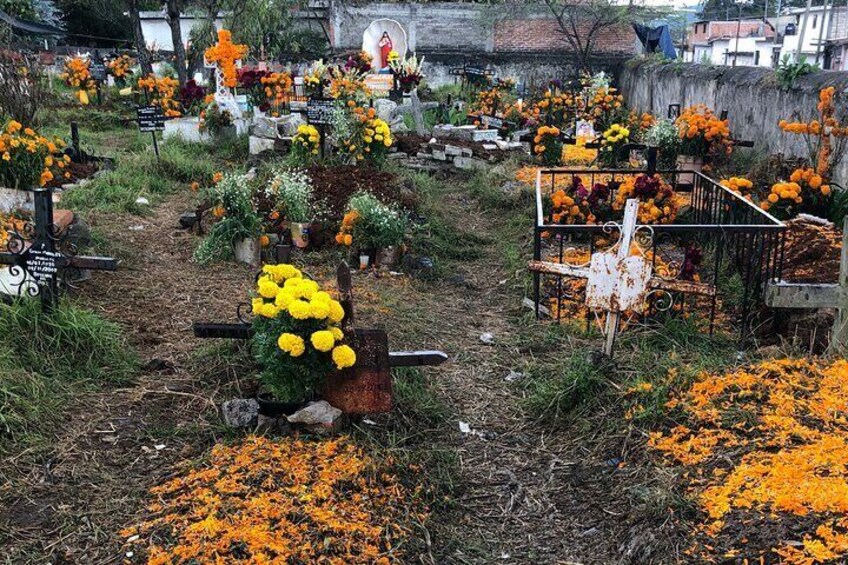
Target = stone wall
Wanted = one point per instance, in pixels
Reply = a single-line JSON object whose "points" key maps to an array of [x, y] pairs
{"points": [[523, 42], [753, 100]]}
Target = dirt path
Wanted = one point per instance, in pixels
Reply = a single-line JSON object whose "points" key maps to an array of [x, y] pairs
{"points": [[525, 492]]}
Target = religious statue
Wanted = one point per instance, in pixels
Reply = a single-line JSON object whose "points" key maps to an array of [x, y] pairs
{"points": [[386, 46]]}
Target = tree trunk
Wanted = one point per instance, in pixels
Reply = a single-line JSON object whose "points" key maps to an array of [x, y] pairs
{"points": [[141, 46], [174, 9]]}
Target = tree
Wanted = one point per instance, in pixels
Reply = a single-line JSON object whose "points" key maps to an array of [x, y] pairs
{"points": [[143, 54], [174, 11], [582, 22]]}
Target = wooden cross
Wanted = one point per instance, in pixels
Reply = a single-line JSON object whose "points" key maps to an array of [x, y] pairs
{"points": [[618, 281], [797, 295], [40, 255], [365, 388]]}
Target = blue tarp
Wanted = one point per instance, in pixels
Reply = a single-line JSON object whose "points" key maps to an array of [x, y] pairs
{"points": [[656, 39]]}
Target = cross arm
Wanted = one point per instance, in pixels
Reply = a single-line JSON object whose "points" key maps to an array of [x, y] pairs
{"points": [[82, 262]]}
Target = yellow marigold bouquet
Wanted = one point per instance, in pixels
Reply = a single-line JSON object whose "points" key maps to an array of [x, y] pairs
{"points": [[739, 185], [315, 79], [121, 68], [658, 202], [298, 339], [277, 91], [162, 92], [616, 136], [548, 147], [702, 134], [371, 136], [77, 75], [28, 159], [306, 143], [225, 54]]}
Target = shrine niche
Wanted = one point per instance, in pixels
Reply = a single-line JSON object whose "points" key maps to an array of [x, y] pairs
{"points": [[382, 37]]}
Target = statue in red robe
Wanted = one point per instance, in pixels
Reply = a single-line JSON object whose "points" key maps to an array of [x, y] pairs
{"points": [[385, 48]]}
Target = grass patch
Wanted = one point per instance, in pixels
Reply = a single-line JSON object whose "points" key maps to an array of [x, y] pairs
{"points": [[42, 355], [141, 175]]}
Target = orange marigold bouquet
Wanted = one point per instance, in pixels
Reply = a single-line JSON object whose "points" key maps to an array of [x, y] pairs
{"points": [[162, 92], [604, 107], [577, 204], [225, 54], [347, 85], [702, 133], [548, 146], [826, 138], [121, 68], [278, 91], [27, 159], [658, 202], [77, 75], [805, 192], [739, 185]]}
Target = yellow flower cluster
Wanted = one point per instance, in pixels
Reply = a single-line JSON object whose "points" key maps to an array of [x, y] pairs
{"points": [[615, 133], [372, 138], [307, 139], [224, 54], [766, 447], [264, 500], [27, 158], [283, 291], [739, 185], [163, 92]]}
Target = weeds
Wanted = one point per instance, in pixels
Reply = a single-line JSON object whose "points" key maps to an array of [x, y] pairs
{"points": [[43, 354]]}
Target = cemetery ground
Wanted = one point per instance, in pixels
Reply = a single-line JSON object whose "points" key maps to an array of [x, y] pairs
{"points": [[528, 449]]}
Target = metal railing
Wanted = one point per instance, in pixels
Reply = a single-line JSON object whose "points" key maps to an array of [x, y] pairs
{"points": [[735, 238]]}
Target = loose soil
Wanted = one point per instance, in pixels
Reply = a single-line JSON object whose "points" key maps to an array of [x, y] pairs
{"points": [[811, 252], [335, 185]]}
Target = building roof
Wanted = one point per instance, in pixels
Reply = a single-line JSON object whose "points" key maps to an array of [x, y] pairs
{"points": [[30, 27]]}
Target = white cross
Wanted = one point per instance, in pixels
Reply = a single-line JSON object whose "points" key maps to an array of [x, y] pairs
{"points": [[224, 96], [795, 295], [618, 281]]}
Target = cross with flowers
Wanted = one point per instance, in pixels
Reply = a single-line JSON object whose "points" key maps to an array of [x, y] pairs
{"points": [[619, 281], [225, 57]]}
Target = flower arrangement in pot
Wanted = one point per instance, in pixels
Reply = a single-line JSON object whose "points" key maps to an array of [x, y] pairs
{"points": [[612, 141], [216, 120], [77, 74], [238, 227], [298, 339], [293, 193], [664, 136], [121, 69], [375, 229], [658, 202], [702, 134], [306, 145], [193, 98], [408, 72], [547, 146], [250, 84], [277, 88], [315, 79]]}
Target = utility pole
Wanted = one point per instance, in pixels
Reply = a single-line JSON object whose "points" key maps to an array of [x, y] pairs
{"points": [[822, 37], [803, 31]]}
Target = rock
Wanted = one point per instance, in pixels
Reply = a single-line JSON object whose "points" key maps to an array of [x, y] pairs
{"points": [[513, 376], [470, 163], [487, 338], [400, 128], [439, 155], [502, 145], [453, 151], [467, 152], [259, 145], [484, 135], [142, 201], [385, 108], [490, 146], [287, 125], [318, 417], [397, 156], [240, 412]]}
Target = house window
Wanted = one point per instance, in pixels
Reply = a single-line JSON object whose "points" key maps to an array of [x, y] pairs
{"points": [[756, 58], [815, 19]]}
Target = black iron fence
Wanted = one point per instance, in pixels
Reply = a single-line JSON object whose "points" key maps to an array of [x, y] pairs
{"points": [[716, 256]]}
